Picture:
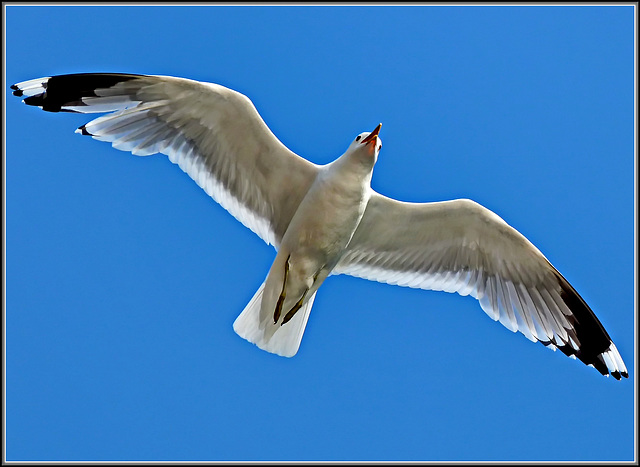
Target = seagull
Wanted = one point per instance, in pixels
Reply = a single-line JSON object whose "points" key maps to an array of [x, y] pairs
{"points": [[326, 219]]}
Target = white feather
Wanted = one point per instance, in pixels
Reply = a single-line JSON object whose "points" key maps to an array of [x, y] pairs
{"points": [[281, 340]]}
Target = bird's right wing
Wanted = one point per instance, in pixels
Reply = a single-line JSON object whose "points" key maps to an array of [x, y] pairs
{"points": [[213, 133], [460, 246]]}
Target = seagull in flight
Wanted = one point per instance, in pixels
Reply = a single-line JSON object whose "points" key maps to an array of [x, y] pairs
{"points": [[326, 219]]}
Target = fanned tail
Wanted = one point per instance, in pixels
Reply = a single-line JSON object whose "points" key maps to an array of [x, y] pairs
{"points": [[281, 340]]}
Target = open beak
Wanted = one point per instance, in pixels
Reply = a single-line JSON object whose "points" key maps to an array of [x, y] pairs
{"points": [[373, 135]]}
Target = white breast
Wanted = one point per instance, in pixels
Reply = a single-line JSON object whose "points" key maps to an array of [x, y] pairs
{"points": [[329, 214]]}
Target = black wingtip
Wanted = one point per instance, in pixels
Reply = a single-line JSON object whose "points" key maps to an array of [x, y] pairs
{"points": [[16, 90], [68, 90], [593, 340], [83, 131], [39, 101]]}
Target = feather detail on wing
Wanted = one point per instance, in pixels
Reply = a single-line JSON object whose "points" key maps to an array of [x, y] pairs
{"points": [[213, 133], [460, 246]]}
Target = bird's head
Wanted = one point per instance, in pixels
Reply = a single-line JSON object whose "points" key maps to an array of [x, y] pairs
{"points": [[367, 145]]}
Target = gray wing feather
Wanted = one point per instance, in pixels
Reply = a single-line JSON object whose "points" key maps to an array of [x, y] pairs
{"points": [[213, 133], [460, 246]]}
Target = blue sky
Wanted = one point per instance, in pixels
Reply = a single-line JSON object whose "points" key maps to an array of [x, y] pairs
{"points": [[123, 278]]}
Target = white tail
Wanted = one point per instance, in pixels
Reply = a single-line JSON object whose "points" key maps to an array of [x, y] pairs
{"points": [[281, 340]]}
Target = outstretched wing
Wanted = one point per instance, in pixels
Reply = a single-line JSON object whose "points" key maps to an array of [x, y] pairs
{"points": [[460, 246], [213, 133]]}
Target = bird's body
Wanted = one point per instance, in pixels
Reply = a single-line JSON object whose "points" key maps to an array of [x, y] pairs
{"points": [[326, 220], [317, 236]]}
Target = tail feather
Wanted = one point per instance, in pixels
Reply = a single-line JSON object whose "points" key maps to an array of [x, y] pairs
{"points": [[281, 340]]}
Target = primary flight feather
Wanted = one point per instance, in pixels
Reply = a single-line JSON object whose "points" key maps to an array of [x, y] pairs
{"points": [[326, 220]]}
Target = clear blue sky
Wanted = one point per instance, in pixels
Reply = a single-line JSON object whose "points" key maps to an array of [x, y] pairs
{"points": [[123, 278]]}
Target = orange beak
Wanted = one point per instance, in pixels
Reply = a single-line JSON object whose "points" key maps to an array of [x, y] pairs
{"points": [[373, 135]]}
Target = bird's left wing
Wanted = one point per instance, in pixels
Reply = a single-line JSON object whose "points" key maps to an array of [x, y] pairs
{"points": [[213, 133], [460, 246]]}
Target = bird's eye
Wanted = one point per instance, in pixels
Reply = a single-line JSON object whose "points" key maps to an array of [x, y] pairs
{"points": [[358, 138]]}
